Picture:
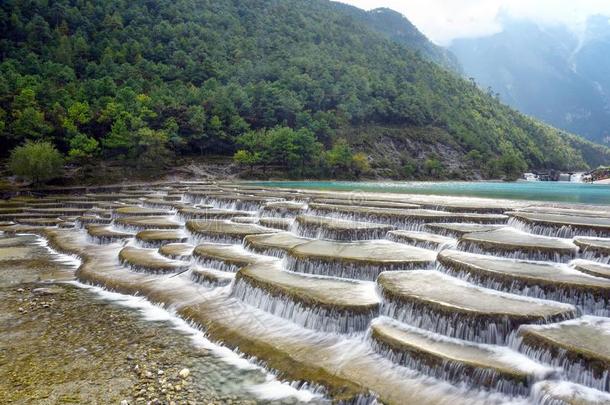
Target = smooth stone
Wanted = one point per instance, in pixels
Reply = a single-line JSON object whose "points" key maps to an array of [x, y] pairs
{"points": [[458, 361], [106, 196], [160, 237], [177, 250], [149, 260], [277, 223], [590, 267], [379, 252], [228, 257], [285, 207], [319, 291], [57, 211], [561, 392], [274, 243], [40, 221], [91, 219], [598, 246], [365, 202], [48, 290], [225, 230], [211, 277], [421, 239], [600, 225], [339, 229], [435, 301], [139, 211], [245, 220], [457, 229], [212, 213], [512, 240], [148, 222], [106, 232], [408, 215], [316, 302], [556, 280], [162, 203], [581, 346]]}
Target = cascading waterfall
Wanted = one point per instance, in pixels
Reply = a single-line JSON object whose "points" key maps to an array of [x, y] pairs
{"points": [[557, 231], [198, 238], [576, 370], [82, 222], [429, 245], [216, 264], [267, 251], [320, 232], [291, 314], [455, 372], [200, 277], [409, 224], [536, 255], [329, 319], [585, 300], [490, 330], [350, 270], [595, 256]]}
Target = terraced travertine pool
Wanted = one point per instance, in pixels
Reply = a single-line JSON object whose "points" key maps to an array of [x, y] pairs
{"points": [[399, 299]]}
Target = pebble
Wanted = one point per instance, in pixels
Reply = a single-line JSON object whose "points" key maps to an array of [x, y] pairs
{"points": [[184, 373], [48, 290], [20, 290]]}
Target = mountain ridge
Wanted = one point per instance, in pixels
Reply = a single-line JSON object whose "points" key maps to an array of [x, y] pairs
{"points": [[396, 27], [548, 72]]}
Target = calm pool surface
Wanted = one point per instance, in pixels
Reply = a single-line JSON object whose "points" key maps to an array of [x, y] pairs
{"points": [[521, 190]]}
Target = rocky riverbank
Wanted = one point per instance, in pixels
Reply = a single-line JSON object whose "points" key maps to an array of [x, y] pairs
{"points": [[63, 343]]}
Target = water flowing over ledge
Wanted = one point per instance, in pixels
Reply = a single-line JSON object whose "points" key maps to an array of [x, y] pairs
{"points": [[445, 302]]}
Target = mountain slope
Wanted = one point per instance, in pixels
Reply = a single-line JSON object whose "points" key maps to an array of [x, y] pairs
{"points": [[399, 29], [124, 78], [548, 73]]}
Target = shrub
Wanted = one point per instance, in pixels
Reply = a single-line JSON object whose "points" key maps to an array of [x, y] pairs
{"points": [[38, 162], [244, 157], [433, 167], [409, 168], [360, 163]]}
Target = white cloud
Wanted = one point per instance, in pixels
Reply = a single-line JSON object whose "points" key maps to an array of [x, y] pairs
{"points": [[445, 20]]}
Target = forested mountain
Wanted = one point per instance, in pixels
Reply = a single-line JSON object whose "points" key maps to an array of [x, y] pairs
{"points": [[398, 28], [551, 73], [280, 80]]}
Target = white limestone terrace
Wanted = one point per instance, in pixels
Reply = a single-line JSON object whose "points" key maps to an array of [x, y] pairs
{"points": [[516, 312]]}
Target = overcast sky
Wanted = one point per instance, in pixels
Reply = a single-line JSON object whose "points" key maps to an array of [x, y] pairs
{"points": [[444, 20]]}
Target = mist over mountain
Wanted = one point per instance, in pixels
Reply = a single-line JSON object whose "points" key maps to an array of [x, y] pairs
{"points": [[552, 73]]}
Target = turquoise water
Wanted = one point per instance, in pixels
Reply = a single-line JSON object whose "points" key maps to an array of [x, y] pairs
{"points": [[521, 190]]}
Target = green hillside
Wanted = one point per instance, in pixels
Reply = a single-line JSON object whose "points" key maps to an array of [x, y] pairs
{"points": [[398, 28], [143, 80]]}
